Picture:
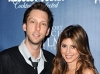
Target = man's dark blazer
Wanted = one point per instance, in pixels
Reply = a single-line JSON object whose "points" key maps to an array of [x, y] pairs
{"points": [[12, 62]]}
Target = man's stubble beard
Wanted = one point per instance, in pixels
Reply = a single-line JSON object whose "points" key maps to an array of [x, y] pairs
{"points": [[33, 42]]}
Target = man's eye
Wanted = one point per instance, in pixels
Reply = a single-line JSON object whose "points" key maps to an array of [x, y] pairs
{"points": [[44, 24], [32, 22]]}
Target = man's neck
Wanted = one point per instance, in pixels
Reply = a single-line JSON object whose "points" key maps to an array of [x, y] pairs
{"points": [[33, 48]]}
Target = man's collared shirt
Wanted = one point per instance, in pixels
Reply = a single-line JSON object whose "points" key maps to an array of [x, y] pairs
{"points": [[26, 54]]}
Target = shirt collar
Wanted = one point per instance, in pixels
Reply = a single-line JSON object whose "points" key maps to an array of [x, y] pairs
{"points": [[26, 54]]}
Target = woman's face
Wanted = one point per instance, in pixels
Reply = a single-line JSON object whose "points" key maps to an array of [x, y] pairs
{"points": [[69, 51]]}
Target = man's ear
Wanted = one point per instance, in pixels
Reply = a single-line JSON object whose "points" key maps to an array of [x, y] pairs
{"points": [[24, 27], [48, 31]]}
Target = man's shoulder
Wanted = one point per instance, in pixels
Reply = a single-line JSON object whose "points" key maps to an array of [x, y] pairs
{"points": [[9, 50], [48, 54]]}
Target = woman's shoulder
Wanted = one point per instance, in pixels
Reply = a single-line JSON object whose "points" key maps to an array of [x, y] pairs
{"points": [[88, 71]]}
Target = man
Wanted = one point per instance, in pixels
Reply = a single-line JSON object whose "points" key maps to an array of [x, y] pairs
{"points": [[37, 24]]}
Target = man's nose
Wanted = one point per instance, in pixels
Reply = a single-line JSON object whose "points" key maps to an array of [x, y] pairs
{"points": [[38, 26]]}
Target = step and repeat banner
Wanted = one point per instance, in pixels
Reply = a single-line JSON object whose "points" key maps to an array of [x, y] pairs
{"points": [[66, 12]]}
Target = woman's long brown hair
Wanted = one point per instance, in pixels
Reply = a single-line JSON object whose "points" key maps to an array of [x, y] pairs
{"points": [[78, 35]]}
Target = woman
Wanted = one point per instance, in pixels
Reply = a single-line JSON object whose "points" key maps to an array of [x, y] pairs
{"points": [[73, 53]]}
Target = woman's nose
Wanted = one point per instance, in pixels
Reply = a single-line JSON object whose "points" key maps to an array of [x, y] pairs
{"points": [[68, 50]]}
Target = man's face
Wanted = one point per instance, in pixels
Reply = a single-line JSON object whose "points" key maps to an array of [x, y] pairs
{"points": [[36, 27]]}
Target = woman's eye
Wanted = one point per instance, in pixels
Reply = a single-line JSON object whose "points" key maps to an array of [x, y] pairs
{"points": [[73, 47], [63, 45]]}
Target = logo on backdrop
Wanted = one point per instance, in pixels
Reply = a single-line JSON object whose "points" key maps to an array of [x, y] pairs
{"points": [[27, 3], [52, 41], [97, 1]]}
